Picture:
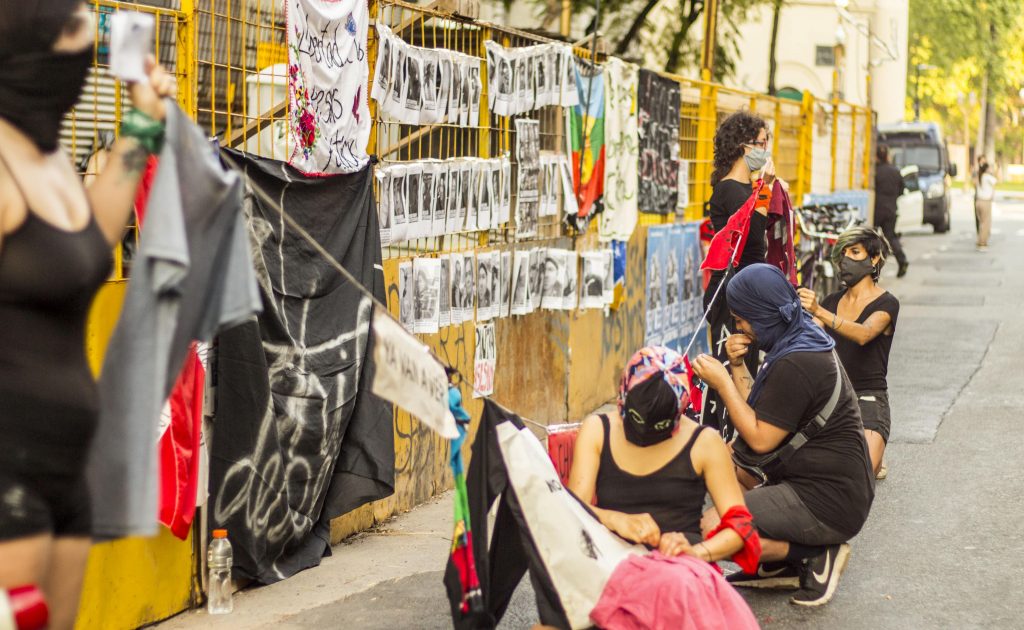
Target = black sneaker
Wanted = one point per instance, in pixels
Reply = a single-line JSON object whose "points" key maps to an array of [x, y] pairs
{"points": [[768, 575], [902, 271], [820, 576]]}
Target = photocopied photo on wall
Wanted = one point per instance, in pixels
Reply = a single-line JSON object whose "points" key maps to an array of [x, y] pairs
{"points": [[427, 274], [444, 317], [406, 296], [384, 210], [521, 283]]}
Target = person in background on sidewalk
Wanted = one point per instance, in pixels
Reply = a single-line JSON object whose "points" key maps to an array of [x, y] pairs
{"points": [[56, 238], [741, 151], [862, 320], [802, 410], [889, 186], [983, 197]]}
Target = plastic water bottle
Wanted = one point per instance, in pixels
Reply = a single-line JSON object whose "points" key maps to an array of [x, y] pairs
{"points": [[218, 562]]}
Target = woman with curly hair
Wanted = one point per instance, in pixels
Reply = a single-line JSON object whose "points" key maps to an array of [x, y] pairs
{"points": [[741, 149]]}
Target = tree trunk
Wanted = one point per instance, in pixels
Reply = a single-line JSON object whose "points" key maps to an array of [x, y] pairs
{"points": [[634, 28], [990, 132], [674, 49], [979, 147], [772, 61]]}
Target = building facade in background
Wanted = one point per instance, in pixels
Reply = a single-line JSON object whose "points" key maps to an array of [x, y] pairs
{"points": [[874, 36]]}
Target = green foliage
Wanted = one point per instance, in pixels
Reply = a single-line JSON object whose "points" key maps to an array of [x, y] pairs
{"points": [[966, 41]]}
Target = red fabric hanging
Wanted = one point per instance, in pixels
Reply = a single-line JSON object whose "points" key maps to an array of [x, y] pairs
{"points": [[179, 447], [780, 230], [733, 237]]}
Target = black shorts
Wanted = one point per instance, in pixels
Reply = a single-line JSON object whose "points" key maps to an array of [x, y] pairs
{"points": [[779, 514], [874, 412], [44, 504]]}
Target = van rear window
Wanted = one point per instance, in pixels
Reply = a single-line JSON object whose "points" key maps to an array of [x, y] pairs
{"points": [[926, 158]]}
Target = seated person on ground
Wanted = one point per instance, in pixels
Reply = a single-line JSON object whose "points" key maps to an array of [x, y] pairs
{"points": [[819, 495], [862, 320], [650, 466]]}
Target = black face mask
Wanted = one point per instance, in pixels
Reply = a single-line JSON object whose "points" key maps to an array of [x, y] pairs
{"points": [[38, 89], [853, 271], [650, 413]]}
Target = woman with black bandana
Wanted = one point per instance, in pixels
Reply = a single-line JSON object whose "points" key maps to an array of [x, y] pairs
{"points": [[55, 243], [741, 151], [862, 320]]}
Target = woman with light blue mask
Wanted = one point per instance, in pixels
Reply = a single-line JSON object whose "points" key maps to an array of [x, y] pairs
{"points": [[742, 155]]}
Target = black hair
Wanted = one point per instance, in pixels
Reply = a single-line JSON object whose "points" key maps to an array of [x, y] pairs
{"points": [[735, 131], [882, 153], [982, 169], [34, 26]]}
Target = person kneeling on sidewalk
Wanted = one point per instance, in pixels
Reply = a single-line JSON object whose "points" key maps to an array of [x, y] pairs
{"points": [[800, 433]]}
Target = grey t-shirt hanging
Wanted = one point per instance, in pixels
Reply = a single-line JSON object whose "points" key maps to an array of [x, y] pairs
{"points": [[192, 276]]}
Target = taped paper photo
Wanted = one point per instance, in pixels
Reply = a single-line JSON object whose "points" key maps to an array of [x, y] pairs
{"points": [[570, 295], [542, 79], [475, 88], [505, 304], [440, 200], [454, 188], [382, 68], [444, 83], [535, 297], [472, 185], [468, 286], [521, 283], [394, 101], [427, 199], [412, 194], [570, 96], [553, 290], [455, 97], [506, 190], [483, 286], [429, 114], [494, 171], [384, 211], [570, 207], [483, 183], [406, 299], [399, 204], [495, 284], [413, 87], [592, 287], [427, 273], [444, 315], [609, 278], [455, 289]]}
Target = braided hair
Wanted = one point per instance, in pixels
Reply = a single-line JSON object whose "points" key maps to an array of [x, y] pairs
{"points": [[735, 131]]}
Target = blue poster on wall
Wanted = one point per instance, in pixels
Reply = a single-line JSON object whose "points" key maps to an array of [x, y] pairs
{"points": [[674, 295]]}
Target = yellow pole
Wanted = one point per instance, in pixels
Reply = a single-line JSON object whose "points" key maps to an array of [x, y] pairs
{"points": [[187, 58], [804, 153], [853, 144], [707, 55], [706, 124], [835, 138], [777, 131], [566, 24]]}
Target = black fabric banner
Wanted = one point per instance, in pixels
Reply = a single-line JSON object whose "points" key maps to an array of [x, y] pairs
{"points": [[298, 438], [503, 561], [658, 100]]}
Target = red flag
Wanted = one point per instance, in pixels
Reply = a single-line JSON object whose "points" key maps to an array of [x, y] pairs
{"points": [[780, 248], [181, 423], [696, 396], [729, 241]]}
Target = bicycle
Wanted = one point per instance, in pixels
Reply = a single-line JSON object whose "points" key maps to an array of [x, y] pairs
{"points": [[820, 226]]}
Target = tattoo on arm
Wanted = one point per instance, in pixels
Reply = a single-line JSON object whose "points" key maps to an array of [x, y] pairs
{"points": [[134, 160]]}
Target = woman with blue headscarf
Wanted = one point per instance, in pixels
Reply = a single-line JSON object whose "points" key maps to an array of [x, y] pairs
{"points": [[801, 409]]}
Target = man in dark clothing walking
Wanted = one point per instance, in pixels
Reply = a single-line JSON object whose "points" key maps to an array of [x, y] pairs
{"points": [[888, 187]]}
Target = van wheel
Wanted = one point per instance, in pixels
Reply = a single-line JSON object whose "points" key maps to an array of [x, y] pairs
{"points": [[942, 225]]}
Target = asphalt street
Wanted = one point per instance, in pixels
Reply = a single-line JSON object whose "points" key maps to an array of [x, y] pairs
{"points": [[941, 548]]}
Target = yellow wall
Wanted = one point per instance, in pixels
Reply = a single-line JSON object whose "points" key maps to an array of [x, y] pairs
{"points": [[134, 581]]}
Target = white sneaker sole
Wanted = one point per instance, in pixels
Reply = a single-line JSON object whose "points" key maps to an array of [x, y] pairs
{"points": [[842, 557]]}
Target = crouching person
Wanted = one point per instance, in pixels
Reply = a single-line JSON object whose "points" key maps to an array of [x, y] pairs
{"points": [[801, 449]]}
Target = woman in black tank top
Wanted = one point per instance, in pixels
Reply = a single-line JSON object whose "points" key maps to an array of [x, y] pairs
{"points": [[647, 475], [56, 239]]}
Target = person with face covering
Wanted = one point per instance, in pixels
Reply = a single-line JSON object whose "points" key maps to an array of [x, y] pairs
{"points": [[742, 153], [802, 408], [56, 238], [862, 320]]}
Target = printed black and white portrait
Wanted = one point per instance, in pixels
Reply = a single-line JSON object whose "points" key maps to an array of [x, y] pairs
{"points": [[475, 87], [592, 286], [427, 272], [430, 86], [568, 78], [495, 173], [557, 78], [522, 82], [671, 279], [445, 312], [455, 98], [654, 285], [536, 293], [483, 286], [520, 283], [528, 184], [690, 275], [412, 195], [553, 290], [440, 197], [506, 189], [483, 183], [468, 285], [569, 291], [541, 77], [382, 68], [444, 84], [451, 203], [495, 283], [395, 98], [427, 199], [384, 210], [609, 277], [406, 299], [463, 199], [414, 86], [472, 175], [570, 206], [455, 289], [399, 204]]}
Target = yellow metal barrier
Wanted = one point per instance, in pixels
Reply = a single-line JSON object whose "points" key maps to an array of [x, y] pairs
{"points": [[230, 59]]}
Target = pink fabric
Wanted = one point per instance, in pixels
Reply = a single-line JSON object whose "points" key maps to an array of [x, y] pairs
{"points": [[681, 593]]}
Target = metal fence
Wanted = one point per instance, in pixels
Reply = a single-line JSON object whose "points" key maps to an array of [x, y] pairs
{"points": [[231, 61]]}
